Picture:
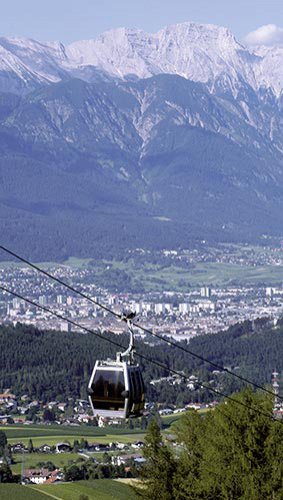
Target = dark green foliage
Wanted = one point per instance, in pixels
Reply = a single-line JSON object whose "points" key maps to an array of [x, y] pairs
{"points": [[6, 475], [234, 462], [232, 452], [5, 450], [73, 473], [49, 415], [3, 440], [160, 466], [32, 415], [30, 446], [46, 465], [106, 459], [76, 446], [51, 365], [88, 470], [55, 365]]}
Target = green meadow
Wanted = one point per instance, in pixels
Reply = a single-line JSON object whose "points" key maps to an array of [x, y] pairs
{"points": [[46, 434], [158, 278], [52, 434], [100, 489], [30, 460], [53, 440], [17, 492]]}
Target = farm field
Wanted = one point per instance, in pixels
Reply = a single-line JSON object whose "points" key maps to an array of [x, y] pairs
{"points": [[17, 492], [21, 430], [102, 489], [53, 440], [53, 434], [168, 421]]}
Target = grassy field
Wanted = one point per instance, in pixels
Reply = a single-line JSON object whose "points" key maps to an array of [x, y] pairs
{"points": [[17, 492], [225, 274], [19, 430], [210, 273], [104, 489], [101, 489], [154, 277], [57, 433], [32, 459], [107, 438], [42, 434]]}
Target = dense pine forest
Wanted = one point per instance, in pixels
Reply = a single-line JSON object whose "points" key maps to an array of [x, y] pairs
{"points": [[55, 365]]}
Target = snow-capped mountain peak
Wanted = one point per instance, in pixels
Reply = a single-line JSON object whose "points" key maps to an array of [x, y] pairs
{"points": [[199, 52], [187, 49]]}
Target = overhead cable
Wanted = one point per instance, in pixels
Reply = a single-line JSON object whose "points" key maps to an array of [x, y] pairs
{"points": [[142, 356], [138, 325]]}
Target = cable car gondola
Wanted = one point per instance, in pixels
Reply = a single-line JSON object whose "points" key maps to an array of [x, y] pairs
{"points": [[116, 388]]}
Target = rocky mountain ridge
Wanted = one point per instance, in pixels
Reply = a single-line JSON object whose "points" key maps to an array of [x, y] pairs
{"points": [[202, 53], [137, 140]]}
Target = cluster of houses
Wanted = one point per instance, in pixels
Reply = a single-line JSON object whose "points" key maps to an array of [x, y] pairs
{"points": [[23, 409], [66, 447], [177, 380], [42, 476], [189, 406], [127, 457], [45, 476]]}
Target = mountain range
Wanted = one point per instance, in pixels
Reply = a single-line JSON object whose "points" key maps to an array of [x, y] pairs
{"points": [[137, 139]]}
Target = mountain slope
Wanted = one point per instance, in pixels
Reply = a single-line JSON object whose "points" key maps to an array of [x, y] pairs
{"points": [[95, 157], [86, 168]]}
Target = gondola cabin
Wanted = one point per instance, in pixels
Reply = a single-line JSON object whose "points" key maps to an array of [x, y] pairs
{"points": [[116, 389]]}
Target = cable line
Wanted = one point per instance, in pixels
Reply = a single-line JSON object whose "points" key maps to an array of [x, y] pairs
{"points": [[137, 325], [58, 280], [142, 356]]}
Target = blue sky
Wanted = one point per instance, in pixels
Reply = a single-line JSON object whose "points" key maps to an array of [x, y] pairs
{"points": [[70, 20]]}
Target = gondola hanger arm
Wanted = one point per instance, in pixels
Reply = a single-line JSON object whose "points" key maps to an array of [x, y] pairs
{"points": [[129, 352]]}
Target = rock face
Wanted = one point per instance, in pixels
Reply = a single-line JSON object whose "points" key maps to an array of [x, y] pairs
{"points": [[199, 52], [139, 140]]}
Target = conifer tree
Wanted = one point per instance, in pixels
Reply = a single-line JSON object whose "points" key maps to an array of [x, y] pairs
{"points": [[30, 446], [3, 439], [234, 462], [232, 452], [160, 466]]}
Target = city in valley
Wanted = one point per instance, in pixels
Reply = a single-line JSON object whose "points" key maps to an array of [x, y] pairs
{"points": [[191, 307]]}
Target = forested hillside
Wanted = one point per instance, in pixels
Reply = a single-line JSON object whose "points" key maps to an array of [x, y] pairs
{"points": [[55, 365]]}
